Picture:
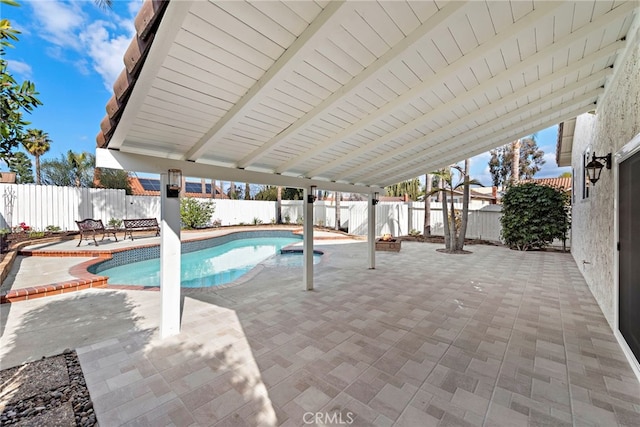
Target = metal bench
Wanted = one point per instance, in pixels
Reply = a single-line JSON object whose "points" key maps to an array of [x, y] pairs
{"points": [[91, 227], [142, 224]]}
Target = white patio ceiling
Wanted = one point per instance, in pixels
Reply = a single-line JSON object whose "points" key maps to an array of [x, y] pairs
{"points": [[366, 93]]}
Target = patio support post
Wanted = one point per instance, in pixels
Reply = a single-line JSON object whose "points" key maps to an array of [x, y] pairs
{"points": [[371, 231], [169, 262], [307, 233]]}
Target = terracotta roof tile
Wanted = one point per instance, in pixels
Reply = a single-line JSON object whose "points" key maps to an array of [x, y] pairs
{"points": [[146, 24], [564, 182]]}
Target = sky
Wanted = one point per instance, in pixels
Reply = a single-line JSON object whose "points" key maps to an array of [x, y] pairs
{"points": [[73, 50]]}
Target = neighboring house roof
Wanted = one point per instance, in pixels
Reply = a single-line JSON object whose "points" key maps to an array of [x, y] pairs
{"points": [[7, 177], [347, 94], [476, 195], [563, 183], [151, 187], [473, 195]]}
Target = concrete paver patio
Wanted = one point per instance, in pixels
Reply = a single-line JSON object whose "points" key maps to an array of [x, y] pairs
{"points": [[496, 337]]}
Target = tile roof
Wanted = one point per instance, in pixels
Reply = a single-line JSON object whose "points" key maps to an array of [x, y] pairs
{"points": [[563, 183], [146, 23]]}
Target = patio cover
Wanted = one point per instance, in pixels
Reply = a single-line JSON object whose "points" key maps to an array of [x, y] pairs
{"points": [[351, 96], [361, 93]]}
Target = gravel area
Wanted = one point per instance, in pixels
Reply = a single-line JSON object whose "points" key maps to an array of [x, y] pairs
{"points": [[48, 392]]}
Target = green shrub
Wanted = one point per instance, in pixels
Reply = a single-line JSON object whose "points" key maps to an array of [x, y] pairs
{"points": [[257, 221], [114, 222], [195, 214], [414, 232], [287, 219], [533, 216], [35, 234], [52, 228]]}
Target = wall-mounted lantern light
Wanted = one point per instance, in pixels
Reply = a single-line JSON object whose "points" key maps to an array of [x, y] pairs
{"points": [[311, 197], [375, 199], [594, 167], [174, 183]]}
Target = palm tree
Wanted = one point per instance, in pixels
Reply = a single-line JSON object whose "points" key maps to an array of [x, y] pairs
{"points": [[338, 197], [454, 238], [428, 185], [79, 163], [465, 205], [104, 4], [279, 205], [36, 142]]}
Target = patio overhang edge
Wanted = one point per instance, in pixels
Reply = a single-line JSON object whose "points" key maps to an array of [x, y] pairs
{"points": [[114, 159]]}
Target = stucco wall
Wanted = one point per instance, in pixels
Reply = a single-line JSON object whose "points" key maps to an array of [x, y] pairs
{"points": [[615, 123]]}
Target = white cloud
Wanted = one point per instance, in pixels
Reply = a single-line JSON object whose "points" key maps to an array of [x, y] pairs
{"points": [[106, 51], [549, 158], [550, 169], [134, 6], [59, 22], [20, 68], [76, 37], [480, 159]]}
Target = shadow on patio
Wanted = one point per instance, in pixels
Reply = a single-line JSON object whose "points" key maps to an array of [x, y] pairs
{"points": [[496, 337]]}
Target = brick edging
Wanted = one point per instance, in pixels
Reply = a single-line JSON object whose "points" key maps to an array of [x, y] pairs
{"points": [[83, 280], [10, 255]]}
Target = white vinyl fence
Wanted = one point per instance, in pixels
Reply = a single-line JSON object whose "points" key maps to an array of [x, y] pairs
{"points": [[400, 219], [39, 206]]}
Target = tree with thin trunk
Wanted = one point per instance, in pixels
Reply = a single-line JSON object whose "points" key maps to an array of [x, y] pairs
{"points": [[442, 193], [520, 159], [279, 205], [454, 236], [515, 161], [465, 205], [428, 186], [247, 191], [36, 142], [232, 190], [338, 197], [72, 169], [79, 163]]}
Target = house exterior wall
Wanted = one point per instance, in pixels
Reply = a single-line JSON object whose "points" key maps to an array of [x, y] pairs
{"points": [[616, 122]]}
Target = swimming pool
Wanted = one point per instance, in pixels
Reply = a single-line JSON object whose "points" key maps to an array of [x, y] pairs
{"points": [[227, 259]]}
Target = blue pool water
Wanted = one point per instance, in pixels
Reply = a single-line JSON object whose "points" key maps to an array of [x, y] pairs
{"points": [[213, 266]]}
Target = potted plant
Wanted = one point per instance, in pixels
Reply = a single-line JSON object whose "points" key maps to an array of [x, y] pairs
{"points": [[388, 243]]}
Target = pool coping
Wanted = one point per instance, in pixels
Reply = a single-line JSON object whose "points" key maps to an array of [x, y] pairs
{"points": [[85, 279]]}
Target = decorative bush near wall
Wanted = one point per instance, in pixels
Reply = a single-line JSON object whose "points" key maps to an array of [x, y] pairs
{"points": [[533, 216], [195, 213]]}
